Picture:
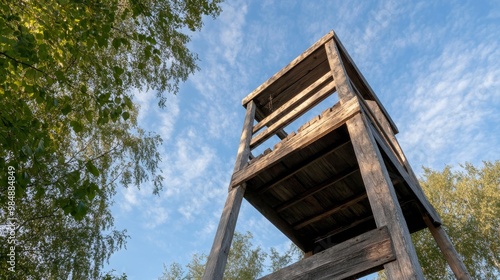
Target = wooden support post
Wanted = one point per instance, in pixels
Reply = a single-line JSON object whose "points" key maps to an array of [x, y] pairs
{"points": [[217, 259], [344, 89], [449, 252], [383, 201], [396, 148], [246, 136], [379, 188]]}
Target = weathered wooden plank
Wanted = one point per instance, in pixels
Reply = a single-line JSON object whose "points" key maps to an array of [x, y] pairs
{"points": [[383, 200], [217, 259], [372, 110], [304, 74], [306, 163], [316, 189], [246, 136], [338, 117], [331, 211], [344, 90], [352, 257], [397, 148], [287, 68], [350, 62], [324, 237], [292, 103], [293, 114], [448, 250], [415, 189], [259, 115]]}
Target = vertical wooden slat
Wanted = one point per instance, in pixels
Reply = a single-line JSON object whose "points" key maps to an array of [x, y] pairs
{"points": [[217, 259], [246, 137], [383, 201], [344, 89], [449, 252]]}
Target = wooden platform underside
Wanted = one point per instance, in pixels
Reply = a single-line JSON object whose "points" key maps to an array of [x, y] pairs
{"points": [[309, 185], [357, 257]]}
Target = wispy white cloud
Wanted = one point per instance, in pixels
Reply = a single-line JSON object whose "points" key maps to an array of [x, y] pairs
{"points": [[231, 37], [159, 120], [454, 99], [155, 216]]}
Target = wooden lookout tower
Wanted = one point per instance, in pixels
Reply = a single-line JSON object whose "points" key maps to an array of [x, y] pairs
{"points": [[339, 187]]}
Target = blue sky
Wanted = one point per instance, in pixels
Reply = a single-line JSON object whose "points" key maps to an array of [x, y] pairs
{"points": [[435, 65]]}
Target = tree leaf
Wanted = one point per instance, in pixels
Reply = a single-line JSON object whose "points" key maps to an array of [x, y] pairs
{"points": [[92, 169], [92, 190], [116, 43], [76, 125], [125, 115], [66, 109]]}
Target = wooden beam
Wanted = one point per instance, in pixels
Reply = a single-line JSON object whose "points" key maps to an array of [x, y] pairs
{"points": [[350, 258], [383, 200], [344, 90], [292, 115], [330, 182], [246, 136], [292, 103], [350, 61], [416, 189], [216, 262], [448, 250], [337, 117], [287, 68], [345, 204], [341, 229], [304, 164], [259, 116], [377, 121]]}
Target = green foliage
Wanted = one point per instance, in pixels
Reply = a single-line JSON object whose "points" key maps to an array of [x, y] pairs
{"points": [[68, 124], [245, 262], [468, 201]]}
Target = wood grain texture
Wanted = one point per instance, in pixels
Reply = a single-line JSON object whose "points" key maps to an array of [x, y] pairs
{"points": [[344, 205], [314, 190], [344, 90], [216, 262], [246, 136], [287, 68], [416, 189], [217, 259], [293, 113], [290, 104], [448, 250], [350, 258], [383, 200], [320, 128], [305, 164]]}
